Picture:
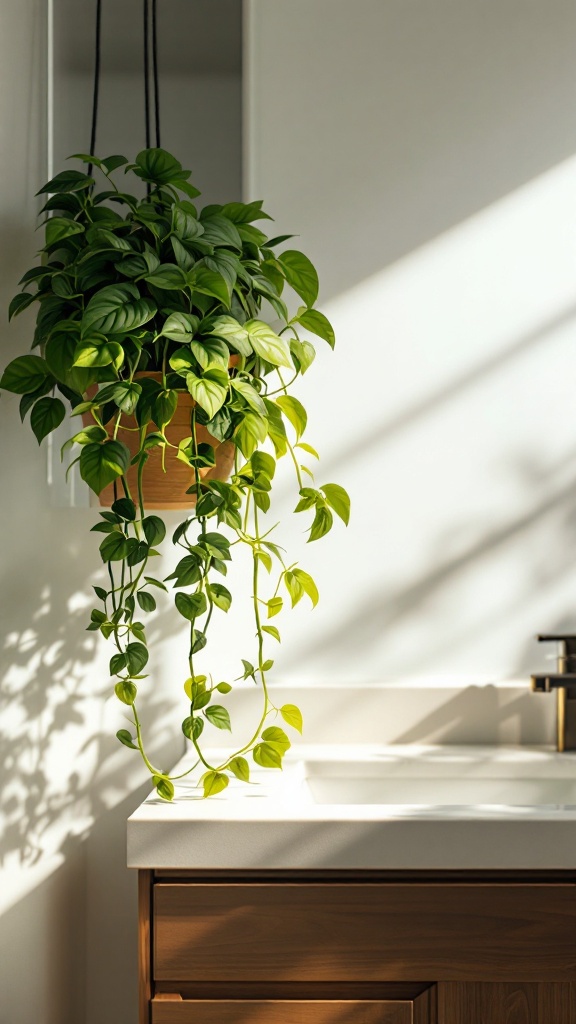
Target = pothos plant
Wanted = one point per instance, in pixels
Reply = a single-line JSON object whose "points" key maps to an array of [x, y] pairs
{"points": [[129, 284]]}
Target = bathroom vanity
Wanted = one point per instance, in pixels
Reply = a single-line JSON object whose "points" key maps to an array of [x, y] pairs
{"points": [[368, 884]]}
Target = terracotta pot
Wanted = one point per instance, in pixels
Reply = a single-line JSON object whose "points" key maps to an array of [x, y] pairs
{"points": [[167, 490]]}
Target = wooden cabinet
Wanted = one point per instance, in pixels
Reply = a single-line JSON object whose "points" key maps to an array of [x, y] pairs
{"points": [[338, 948]]}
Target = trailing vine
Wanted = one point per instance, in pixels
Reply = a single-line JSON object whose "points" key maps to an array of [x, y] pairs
{"points": [[163, 287]]}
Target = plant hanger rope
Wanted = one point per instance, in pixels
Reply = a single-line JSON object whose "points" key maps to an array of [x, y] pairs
{"points": [[149, 10]]}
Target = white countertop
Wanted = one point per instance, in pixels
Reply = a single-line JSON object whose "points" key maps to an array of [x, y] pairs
{"points": [[290, 820]]}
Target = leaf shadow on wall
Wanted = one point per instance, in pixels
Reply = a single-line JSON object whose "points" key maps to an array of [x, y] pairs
{"points": [[68, 900]]}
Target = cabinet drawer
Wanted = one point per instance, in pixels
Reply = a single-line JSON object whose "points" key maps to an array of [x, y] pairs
{"points": [[293, 1011], [364, 932]]}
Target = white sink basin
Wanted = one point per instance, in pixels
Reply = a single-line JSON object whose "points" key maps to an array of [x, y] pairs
{"points": [[373, 807], [442, 782]]}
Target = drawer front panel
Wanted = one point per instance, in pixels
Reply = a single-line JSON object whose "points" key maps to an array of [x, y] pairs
{"points": [[263, 1011], [364, 932]]}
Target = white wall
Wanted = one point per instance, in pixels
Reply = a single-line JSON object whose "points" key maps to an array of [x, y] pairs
{"points": [[425, 154], [67, 901]]}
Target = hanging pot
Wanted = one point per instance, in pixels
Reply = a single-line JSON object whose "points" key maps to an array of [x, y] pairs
{"points": [[166, 488]]}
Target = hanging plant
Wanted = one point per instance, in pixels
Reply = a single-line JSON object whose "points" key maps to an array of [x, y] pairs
{"points": [[150, 329]]}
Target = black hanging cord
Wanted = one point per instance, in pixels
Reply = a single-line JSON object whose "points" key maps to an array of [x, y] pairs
{"points": [[96, 89], [149, 6], [145, 11], [155, 74]]}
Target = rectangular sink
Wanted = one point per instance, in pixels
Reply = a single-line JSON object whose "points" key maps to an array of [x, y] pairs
{"points": [[398, 807], [447, 780]]}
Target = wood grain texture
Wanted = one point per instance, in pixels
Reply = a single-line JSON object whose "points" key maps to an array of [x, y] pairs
{"points": [[242, 1011], [144, 945], [512, 1003], [359, 932]]}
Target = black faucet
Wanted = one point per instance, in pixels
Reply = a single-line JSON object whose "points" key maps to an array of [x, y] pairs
{"points": [[564, 682]]}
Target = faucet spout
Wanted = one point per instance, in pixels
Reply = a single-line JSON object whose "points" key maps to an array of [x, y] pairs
{"points": [[564, 683]]}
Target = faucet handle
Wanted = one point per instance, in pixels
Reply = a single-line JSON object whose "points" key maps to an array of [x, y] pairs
{"points": [[567, 653]]}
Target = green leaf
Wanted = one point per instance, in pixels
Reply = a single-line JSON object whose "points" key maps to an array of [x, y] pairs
{"points": [[97, 352], [159, 167], [267, 756], [164, 405], [58, 228], [59, 353], [339, 500], [46, 415], [322, 523], [213, 783], [168, 276], [220, 596], [218, 716], [292, 716], [265, 558], [223, 687], [250, 395], [114, 547], [24, 375], [182, 361], [210, 352], [186, 572], [218, 230], [245, 213], [303, 353], [164, 787], [136, 657], [146, 601], [272, 631], [184, 221], [210, 282], [154, 530], [138, 265], [240, 768], [192, 727], [180, 327], [276, 428], [190, 606], [294, 587], [316, 322], [300, 274], [124, 736], [20, 302], [251, 432], [111, 163], [209, 395], [308, 448], [267, 344], [277, 737], [155, 583], [294, 412], [237, 336], [117, 309], [126, 395], [126, 691], [308, 585], [100, 464], [249, 670], [125, 508], [274, 606], [117, 663], [67, 181]]}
